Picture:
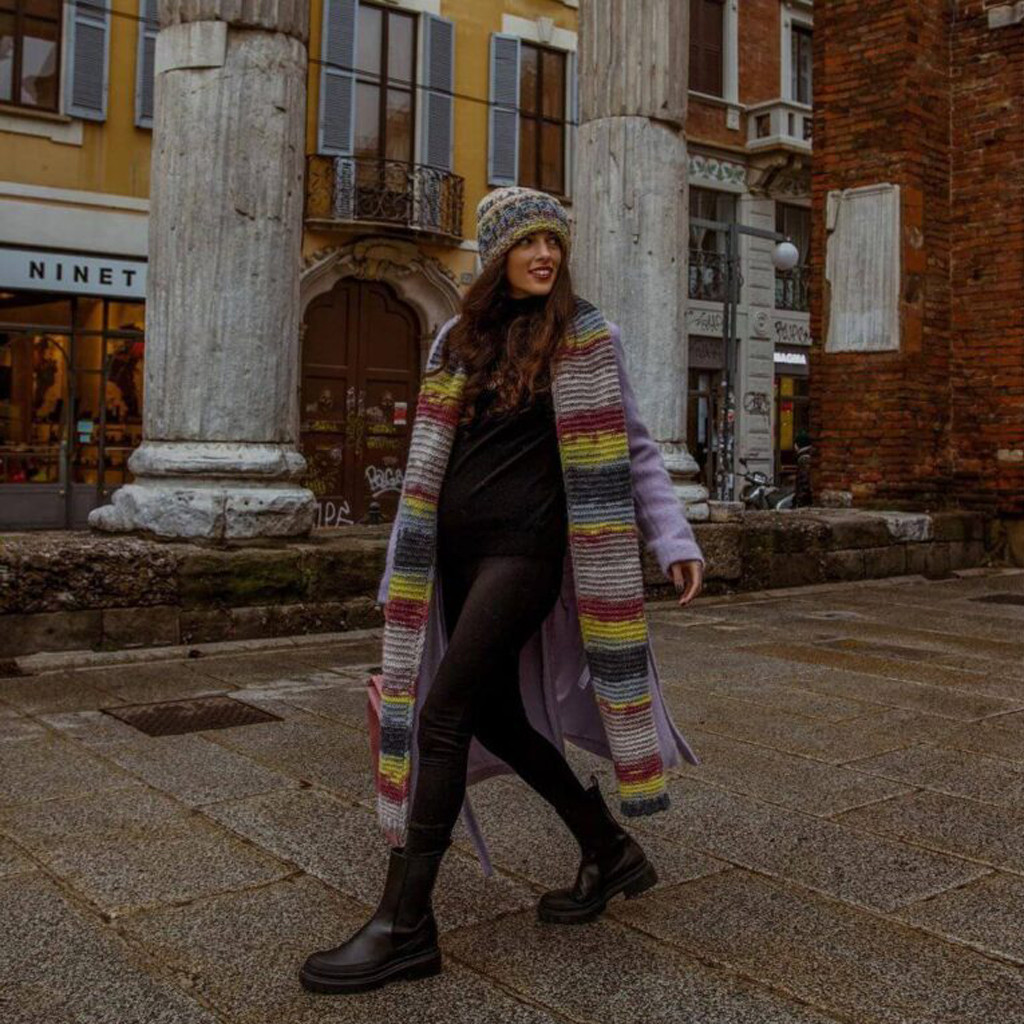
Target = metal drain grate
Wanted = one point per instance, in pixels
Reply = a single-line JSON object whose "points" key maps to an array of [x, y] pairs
{"points": [[174, 717], [1017, 599]]}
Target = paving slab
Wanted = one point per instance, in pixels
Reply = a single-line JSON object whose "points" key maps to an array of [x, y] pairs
{"points": [[956, 772], [985, 914], [985, 833], [536, 845], [341, 844], [996, 693], [132, 848], [831, 742], [856, 964], [11, 861], [988, 737], [60, 964], [608, 974], [308, 748], [60, 691], [868, 871], [146, 684], [780, 778], [196, 770], [49, 768], [243, 952]]}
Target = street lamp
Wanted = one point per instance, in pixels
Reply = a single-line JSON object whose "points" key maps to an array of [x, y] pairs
{"points": [[785, 256]]}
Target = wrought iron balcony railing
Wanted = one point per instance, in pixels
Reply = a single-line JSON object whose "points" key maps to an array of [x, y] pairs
{"points": [[792, 289], [415, 196], [707, 275]]}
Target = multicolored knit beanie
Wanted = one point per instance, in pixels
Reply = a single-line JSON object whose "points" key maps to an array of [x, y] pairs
{"points": [[510, 213]]}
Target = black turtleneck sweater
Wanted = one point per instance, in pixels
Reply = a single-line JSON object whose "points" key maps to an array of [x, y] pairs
{"points": [[503, 491]]}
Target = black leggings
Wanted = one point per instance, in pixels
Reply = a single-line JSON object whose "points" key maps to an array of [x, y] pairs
{"points": [[492, 605]]}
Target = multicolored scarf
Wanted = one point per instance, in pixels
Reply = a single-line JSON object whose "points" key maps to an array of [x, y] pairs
{"points": [[603, 543]]}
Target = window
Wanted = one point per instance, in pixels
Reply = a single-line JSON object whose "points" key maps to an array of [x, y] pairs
{"points": [[707, 246], [791, 286], [541, 118], [707, 46], [800, 64], [30, 53], [532, 115], [385, 78]]}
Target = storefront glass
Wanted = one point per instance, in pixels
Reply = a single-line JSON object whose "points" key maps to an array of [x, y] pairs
{"points": [[71, 378]]}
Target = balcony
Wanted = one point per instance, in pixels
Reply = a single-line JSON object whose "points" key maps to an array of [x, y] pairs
{"points": [[792, 289], [345, 191], [780, 125], [707, 275]]}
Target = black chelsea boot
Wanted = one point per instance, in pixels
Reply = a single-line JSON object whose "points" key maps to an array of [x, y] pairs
{"points": [[399, 941], [612, 862]]}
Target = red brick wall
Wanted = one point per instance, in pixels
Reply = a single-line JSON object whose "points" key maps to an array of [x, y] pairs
{"points": [[881, 81], [987, 337]]}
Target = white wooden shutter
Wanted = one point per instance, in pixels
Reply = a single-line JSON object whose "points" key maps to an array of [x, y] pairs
{"points": [[89, 49], [503, 120], [337, 78], [572, 117], [439, 104], [149, 26]]}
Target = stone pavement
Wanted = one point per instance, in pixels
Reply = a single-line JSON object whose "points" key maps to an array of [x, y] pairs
{"points": [[850, 849]]}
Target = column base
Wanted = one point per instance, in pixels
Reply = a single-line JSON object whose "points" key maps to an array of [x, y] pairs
{"points": [[683, 469], [211, 491]]}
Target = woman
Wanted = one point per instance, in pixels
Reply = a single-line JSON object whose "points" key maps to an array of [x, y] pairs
{"points": [[527, 472]]}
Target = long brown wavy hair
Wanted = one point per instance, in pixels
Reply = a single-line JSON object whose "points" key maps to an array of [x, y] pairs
{"points": [[511, 342]]}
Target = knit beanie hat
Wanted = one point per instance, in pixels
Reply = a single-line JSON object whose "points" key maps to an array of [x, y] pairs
{"points": [[512, 212]]}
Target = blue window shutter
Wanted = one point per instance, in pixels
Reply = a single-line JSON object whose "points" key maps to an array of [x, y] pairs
{"points": [[337, 79], [572, 108], [503, 117], [149, 26], [89, 50], [439, 104]]}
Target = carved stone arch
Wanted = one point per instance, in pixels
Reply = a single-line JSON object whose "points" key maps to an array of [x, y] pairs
{"points": [[424, 282]]}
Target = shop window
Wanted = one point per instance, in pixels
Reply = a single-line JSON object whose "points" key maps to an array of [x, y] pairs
{"points": [[30, 35], [707, 46], [71, 386], [792, 420]]}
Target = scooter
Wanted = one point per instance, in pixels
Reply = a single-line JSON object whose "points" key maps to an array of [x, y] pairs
{"points": [[761, 493]]}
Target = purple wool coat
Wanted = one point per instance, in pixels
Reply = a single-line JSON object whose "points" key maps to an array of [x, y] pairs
{"points": [[553, 672]]}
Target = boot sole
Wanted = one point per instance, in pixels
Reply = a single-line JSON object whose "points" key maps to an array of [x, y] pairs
{"points": [[631, 886], [396, 970]]}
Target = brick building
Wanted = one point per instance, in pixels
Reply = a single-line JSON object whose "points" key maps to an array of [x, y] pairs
{"points": [[917, 381]]}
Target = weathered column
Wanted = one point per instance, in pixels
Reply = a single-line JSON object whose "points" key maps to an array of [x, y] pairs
{"points": [[630, 205], [219, 457]]}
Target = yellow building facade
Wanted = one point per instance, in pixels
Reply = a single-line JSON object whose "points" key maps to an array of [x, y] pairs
{"points": [[415, 109]]}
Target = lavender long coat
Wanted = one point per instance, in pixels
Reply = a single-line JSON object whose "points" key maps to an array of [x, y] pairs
{"points": [[553, 672]]}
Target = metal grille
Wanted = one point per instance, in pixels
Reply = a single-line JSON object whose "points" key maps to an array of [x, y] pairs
{"points": [[174, 717], [1000, 599]]}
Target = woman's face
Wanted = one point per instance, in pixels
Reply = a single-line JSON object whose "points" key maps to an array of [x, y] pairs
{"points": [[532, 263]]}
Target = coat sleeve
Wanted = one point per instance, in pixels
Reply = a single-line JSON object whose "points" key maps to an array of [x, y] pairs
{"points": [[382, 588], [659, 512]]}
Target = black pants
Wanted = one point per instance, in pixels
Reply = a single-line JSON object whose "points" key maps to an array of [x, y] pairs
{"points": [[492, 605]]}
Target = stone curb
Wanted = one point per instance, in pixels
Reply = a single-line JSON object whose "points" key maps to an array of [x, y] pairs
{"points": [[34, 664]]}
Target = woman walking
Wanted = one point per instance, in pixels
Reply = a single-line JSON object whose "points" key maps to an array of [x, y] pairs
{"points": [[528, 480]]}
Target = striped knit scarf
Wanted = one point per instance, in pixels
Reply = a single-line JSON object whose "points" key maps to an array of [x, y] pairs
{"points": [[603, 542]]}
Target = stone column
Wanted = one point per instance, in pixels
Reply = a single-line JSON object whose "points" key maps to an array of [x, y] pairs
{"points": [[630, 206], [219, 458]]}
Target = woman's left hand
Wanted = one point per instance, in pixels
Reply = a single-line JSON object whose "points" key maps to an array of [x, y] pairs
{"points": [[688, 578]]}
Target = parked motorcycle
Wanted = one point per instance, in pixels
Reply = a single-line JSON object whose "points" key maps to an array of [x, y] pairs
{"points": [[761, 493]]}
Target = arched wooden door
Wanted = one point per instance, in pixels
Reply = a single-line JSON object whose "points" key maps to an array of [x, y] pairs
{"points": [[360, 379]]}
